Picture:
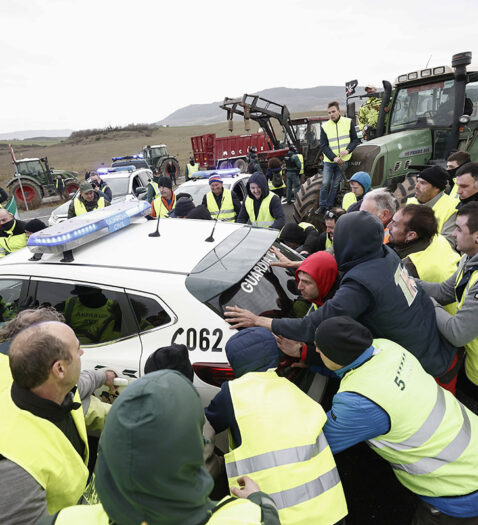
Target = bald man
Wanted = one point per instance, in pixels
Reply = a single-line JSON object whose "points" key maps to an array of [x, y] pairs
{"points": [[12, 233], [43, 443]]}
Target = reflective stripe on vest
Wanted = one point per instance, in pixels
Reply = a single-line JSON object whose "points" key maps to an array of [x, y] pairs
{"points": [[443, 208], [264, 218], [437, 263], [226, 213], [42, 449], [80, 208], [431, 447], [471, 348], [349, 199], [160, 204], [301, 158], [302, 479], [338, 135]]}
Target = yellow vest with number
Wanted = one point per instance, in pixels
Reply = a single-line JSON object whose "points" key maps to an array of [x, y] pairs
{"points": [[437, 263], [264, 218], [226, 213], [443, 208], [338, 135], [349, 199], [160, 207], [301, 158], [471, 361], [431, 444], [292, 462], [80, 208], [40, 447]]}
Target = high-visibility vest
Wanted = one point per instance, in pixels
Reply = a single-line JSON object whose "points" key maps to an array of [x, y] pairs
{"points": [[328, 242], [40, 447], [155, 187], [226, 213], [162, 208], [5, 373], [230, 511], [291, 463], [301, 158], [264, 218], [453, 192], [80, 208], [443, 208], [471, 348], [305, 225], [12, 243], [437, 263], [192, 169], [338, 135], [348, 200], [91, 325], [431, 448]]}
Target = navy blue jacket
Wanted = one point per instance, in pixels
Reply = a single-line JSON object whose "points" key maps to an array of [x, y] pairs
{"points": [[324, 142], [373, 292]]}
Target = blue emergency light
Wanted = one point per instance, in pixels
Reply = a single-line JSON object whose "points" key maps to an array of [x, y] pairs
{"points": [[128, 157], [85, 228], [104, 171], [224, 173]]}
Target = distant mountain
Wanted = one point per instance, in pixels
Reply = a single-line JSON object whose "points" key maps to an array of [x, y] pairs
{"points": [[297, 100], [29, 134]]}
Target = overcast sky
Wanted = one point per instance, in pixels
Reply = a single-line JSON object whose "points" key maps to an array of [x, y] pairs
{"points": [[91, 63]]}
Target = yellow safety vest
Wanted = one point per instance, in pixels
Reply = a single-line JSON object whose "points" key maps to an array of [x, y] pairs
{"points": [[230, 511], [155, 187], [291, 463], [471, 361], [192, 169], [227, 212], [160, 207], [443, 208], [437, 263], [40, 447], [5, 373], [432, 449], [80, 208], [338, 135], [272, 187], [301, 158], [12, 243], [348, 200], [264, 218], [305, 225], [328, 242]]}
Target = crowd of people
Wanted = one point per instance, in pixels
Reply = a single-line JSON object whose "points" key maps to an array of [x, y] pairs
{"points": [[391, 320]]}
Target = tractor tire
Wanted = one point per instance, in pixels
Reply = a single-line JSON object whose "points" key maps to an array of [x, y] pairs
{"points": [[162, 167], [307, 199], [241, 164], [71, 186], [32, 192], [404, 190], [225, 164]]}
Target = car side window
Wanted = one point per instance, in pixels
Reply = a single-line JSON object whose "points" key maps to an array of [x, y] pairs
{"points": [[148, 313], [136, 183], [12, 298], [96, 315]]}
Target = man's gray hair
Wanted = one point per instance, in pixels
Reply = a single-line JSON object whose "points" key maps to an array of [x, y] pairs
{"points": [[384, 200]]}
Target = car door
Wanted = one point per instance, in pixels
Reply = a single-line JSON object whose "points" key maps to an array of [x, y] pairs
{"points": [[102, 319]]}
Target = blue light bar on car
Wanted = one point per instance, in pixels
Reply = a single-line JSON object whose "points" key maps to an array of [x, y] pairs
{"points": [[104, 171], [224, 173], [86, 228], [128, 157]]}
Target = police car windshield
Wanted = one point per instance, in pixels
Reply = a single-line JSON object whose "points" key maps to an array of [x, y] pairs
{"points": [[119, 186], [238, 272], [197, 191]]}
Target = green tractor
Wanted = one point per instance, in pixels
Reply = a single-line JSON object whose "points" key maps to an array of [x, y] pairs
{"points": [[159, 158], [425, 116], [34, 180]]}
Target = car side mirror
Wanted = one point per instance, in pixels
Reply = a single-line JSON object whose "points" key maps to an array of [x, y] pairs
{"points": [[71, 195], [139, 190]]}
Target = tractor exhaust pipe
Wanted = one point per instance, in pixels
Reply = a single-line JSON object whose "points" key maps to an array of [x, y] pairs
{"points": [[387, 92]]}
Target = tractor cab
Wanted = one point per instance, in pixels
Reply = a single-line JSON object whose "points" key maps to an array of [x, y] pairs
{"points": [[307, 131]]}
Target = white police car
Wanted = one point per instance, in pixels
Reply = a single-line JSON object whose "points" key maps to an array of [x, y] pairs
{"points": [[198, 185], [126, 183], [128, 293]]}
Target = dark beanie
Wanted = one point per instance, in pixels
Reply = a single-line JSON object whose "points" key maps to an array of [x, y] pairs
{"points": [[342, 339], [183, 206], [436, 176], [292, 232], [174, 357], [165, 182], [35, 225]]}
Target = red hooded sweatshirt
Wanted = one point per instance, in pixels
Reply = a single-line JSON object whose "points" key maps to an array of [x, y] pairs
{"points": [[322, 267]]}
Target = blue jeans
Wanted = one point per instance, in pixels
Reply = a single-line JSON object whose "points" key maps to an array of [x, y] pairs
{"points": [[331, 177], [292, 179]]}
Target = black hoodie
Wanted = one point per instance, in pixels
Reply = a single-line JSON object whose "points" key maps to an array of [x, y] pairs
{"points": [[375, 291]]}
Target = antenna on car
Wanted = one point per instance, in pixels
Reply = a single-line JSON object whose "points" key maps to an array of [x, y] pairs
{"points": [[156, 233], [211, 238]]}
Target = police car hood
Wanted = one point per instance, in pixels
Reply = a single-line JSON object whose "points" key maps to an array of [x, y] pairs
{"points": [[150, 464], [358, 237]]}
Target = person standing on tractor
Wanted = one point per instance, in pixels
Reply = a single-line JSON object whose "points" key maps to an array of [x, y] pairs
{"points": [[191, 168], [293, 165], [368, 114], [88, 200], [338, 139], [12, 233]]}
